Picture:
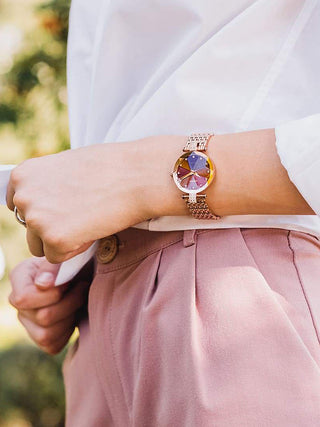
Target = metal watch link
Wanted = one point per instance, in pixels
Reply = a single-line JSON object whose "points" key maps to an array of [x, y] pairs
{"points": [[193, 172]]}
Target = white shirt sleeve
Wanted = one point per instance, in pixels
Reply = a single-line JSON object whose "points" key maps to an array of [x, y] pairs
{"points": [[5, 171], [298, 145]]}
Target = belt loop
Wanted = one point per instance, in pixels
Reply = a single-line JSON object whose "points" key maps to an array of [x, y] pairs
{"points": [[189, 238]]}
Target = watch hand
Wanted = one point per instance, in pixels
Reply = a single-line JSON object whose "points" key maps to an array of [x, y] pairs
{"points": [[204, 172], [187, 176]]}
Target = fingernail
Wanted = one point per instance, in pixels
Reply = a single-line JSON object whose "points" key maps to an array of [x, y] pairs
{"points": [[45, 278]]}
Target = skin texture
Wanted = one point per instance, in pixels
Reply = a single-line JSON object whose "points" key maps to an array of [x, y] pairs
{"points": [[72, 198], [48, 313]]}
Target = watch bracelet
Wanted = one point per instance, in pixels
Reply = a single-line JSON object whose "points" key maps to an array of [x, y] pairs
{"points": [[200, 208], [197, 141]]}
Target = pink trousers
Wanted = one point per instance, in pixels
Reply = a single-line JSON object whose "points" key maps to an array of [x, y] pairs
{"points": [[202, 328]]}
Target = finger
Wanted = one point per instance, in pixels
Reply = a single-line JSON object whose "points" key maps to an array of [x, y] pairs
{"points": [[59, 345], [46, 274], [24, 294], [74, 299], [31, 297], [55, 254], [34, 243], [27, 269], [46, 337]]}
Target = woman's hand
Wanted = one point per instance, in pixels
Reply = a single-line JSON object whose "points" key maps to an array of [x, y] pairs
{"points": [[73, 198], [48, 313]]}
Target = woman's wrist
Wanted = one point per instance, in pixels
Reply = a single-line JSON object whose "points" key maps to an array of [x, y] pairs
{"points": [[157, 155], [250, 178], [127, 183]]}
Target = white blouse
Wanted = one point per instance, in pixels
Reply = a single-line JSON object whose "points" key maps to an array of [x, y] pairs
{"points": [[150, 67]]}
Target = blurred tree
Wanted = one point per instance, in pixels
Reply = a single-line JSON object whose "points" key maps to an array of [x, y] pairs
{"points": [[8, 113], [37, 81], [33, 122], [24, 75], [31, 387]]}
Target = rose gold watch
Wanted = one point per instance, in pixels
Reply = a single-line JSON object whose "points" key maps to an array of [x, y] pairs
{"points": [[193, 172]]}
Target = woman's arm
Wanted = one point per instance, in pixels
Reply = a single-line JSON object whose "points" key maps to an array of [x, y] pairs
{"points": [[250, 179], [72, 198]]}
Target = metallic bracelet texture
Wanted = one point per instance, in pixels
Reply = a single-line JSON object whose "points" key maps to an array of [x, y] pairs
{"points": [[193, 172], [200, 209]]}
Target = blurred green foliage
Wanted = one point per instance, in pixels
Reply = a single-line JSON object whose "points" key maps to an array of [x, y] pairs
{"points": [[31, 387], [8, 113], [33, 122], [33, 90]]}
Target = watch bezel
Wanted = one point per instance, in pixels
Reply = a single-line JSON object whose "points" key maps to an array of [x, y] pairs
{"points": [[211, 167]]}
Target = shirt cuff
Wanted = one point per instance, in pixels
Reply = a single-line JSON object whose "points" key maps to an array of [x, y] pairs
{"points": [[298, 146]]}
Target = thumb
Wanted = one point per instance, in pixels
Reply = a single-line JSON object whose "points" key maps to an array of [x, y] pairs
{"points": [[46, 274]]}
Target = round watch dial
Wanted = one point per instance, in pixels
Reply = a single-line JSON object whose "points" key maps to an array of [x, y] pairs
{"points": [[193, 172]]}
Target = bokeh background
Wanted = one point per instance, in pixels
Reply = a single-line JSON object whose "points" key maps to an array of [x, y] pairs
{"points": [[33, 122]]}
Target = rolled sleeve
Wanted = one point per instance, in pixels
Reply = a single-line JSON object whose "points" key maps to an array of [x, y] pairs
{"points": [[298, 146]]}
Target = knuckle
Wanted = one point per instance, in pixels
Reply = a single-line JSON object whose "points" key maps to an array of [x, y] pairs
{"points": [[57, 294], [54, 238], [44, 338], [54, 258], [19, 268], [17, 300], [44, 317], [20, 199], [11, 299], [33, 220], [56, 247], [17, 174], [37, 252]]}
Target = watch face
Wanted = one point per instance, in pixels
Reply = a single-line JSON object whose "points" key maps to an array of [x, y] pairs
{"points": [[193, 172]]}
